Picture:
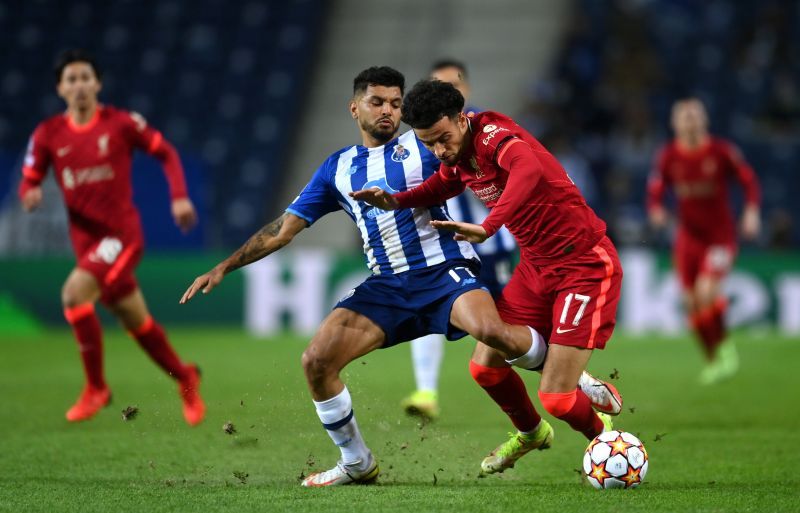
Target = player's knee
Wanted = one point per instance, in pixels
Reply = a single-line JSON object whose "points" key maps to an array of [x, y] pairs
{"points": [[489, 331], [70, 297], [315, 365], [487, 376], [311, 362], [558, 404], [79, 288]]}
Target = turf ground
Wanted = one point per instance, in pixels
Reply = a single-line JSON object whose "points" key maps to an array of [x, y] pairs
{"points": [[731, 447]]}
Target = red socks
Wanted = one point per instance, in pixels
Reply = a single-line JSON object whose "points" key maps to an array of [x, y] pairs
{"points": [[507, 389], [575, 409], [153, 340], [88, 333], [709, 324]]}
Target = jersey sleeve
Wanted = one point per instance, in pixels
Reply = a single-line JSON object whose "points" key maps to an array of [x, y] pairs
{"points": [[744, 174], [438, 188], [493, 137], [139, 133], [524, 172], [318, 197], [37, 161], [146, 138], [658, 181]]}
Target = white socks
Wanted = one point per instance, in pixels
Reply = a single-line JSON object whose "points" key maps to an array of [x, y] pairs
{"points": [[535, 355], [338, 419], [426, 355]]}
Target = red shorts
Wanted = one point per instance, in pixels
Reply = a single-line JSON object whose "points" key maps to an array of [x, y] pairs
{"points": [[572, 303], [112, 262], [693, 257]]}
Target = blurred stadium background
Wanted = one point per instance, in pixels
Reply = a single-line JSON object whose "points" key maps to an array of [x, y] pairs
{"points": [[254, 96]]}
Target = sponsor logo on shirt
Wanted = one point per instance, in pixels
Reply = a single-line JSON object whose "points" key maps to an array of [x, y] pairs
{"points": [[67, 178], [400, 153], [491, 133], [487, 194], [72, 179], [60, 152], [700, 189]]}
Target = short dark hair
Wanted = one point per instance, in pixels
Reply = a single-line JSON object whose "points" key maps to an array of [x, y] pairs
{"points": [[67, 57], [378, 75], [450, 63], [429, 101]]}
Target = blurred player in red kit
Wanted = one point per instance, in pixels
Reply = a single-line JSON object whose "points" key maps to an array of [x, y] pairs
{"points": [[90, 148], [567, 283], [698, 167]]}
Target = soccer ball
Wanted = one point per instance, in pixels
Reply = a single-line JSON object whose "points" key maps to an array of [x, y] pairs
{"points": [[615, 459]]}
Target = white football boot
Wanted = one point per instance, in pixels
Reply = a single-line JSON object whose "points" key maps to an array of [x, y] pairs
{"points": [[603, 396], [343, 474]]}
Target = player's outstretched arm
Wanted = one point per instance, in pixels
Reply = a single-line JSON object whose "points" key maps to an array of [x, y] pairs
{"points": [[267, 240], [473, 233], [376, 197]]}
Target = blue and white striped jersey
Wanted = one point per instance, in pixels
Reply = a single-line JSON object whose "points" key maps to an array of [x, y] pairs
{"points": [[394, 241], [469, 209]]}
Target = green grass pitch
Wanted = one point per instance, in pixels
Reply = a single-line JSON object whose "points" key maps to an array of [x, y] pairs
{"points": [[730, 447]]}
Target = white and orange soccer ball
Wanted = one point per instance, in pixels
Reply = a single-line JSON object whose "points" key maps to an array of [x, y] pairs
{"points": [[615, 459]]}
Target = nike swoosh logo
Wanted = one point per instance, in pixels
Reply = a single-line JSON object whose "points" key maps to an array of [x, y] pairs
{"points": [[559, 330], [63, 151]]}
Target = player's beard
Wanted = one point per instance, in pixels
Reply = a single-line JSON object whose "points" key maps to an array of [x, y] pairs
{"points": [[383, 135], [453, 159]]}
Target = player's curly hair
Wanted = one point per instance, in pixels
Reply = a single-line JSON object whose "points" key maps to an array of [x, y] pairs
{"points": [[429, 101], [378, 75], [67, 57]]}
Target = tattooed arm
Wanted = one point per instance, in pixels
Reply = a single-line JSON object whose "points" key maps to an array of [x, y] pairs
{"points": [[269, 239]]}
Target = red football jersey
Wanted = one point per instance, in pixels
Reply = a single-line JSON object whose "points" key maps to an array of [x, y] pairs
{"points": [[700, 179], [524, 185], [92, 164]]}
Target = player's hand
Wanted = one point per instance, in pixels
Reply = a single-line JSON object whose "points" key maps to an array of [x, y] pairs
{"points": [[469, 232], [203, 283], [32, 199], [184, 214], [658, 217], [751, 222], [376, 197]]}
